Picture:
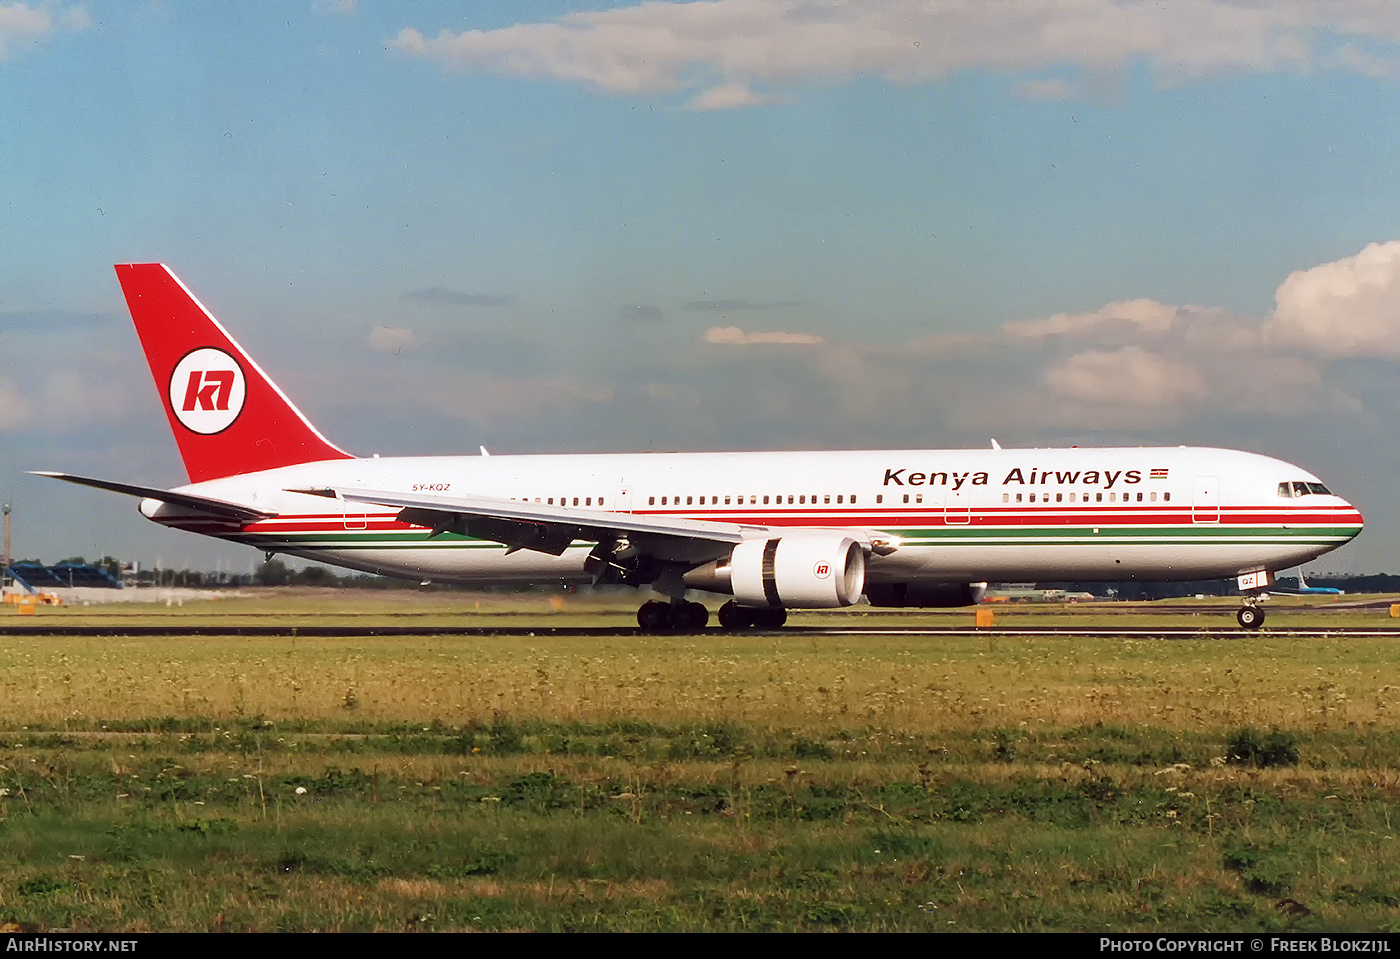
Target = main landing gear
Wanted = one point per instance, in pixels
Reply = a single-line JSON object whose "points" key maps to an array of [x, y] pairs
{"points": [[680, 616], [1250, 617], [674, 617], [732, 616]]}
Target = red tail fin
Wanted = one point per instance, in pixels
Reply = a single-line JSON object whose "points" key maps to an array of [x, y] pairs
{"points": [[227, 416]]}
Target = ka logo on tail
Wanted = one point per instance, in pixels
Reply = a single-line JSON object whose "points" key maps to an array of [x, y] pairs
{"points": [[207, 391]]}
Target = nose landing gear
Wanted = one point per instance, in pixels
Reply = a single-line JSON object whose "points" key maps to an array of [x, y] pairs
{"points": [[1250, 617]]}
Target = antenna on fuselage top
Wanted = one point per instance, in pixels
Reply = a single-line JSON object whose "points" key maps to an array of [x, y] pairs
{"points": [[485, 451], [995, 444]]}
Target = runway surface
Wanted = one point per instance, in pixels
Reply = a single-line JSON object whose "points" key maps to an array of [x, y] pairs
{"points": [[1222, 631]]}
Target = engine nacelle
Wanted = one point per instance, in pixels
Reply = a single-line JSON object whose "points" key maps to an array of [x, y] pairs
{"points": [[805, 569], [926, 595]]}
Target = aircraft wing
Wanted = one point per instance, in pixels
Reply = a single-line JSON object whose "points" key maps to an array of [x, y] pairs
{"points": [[550, 529], [205, 504]]}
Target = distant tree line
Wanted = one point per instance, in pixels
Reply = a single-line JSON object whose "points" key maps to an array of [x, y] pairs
{"points": [[274, 572], [1372, 583]]}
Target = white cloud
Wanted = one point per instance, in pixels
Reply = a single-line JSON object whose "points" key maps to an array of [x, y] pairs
{"points": [[724, 46], [23, 24], [60, 401], [1146, 316], [733, 336], [1128, 377], [730, 95], [14, 409], [1349, 307], [97, 394]]}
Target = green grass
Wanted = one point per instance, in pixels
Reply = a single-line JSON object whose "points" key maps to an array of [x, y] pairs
{"points": [[698, 783], [195, 825]]}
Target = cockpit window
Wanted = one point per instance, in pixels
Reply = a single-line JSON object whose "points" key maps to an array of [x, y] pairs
{"points": [[1295, 489]]}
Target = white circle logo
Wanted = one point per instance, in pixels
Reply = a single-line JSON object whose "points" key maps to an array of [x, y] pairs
{"points": [[207, 391], [821, 570]]}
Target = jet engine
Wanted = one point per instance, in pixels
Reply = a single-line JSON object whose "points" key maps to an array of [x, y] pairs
{"points": [[804, 569], [926, 595]]}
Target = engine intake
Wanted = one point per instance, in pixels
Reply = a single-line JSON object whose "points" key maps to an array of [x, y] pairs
{"points": [[799, 570]]}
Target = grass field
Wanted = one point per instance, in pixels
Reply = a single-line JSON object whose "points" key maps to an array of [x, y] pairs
{"points": [[693, 782]]}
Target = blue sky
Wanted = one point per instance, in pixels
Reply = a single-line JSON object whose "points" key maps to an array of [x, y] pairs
{"points": [[728, 225]]}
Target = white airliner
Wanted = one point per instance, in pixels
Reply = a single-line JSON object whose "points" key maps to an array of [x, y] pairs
{"points": [[775, 531]]}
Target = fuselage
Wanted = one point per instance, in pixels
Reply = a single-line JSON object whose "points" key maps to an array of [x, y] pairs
{"points": [[1152, 513]]}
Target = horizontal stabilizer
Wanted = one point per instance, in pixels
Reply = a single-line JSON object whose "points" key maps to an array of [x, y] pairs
{"points": [[205, 504]]}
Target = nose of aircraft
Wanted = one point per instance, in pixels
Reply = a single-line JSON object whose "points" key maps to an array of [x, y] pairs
{"points": [[1351, 519]]}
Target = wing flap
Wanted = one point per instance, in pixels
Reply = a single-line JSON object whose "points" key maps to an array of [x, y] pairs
{"points": [[551, 538], [550, 529]]}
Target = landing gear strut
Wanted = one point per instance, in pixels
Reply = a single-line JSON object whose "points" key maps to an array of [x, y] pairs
{"points": [[1250, 617]]}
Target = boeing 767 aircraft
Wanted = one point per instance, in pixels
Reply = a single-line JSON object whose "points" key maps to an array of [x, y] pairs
{"points": [[774, 531]]}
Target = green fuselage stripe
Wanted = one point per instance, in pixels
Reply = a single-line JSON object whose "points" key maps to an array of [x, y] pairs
{"points": [[1203, 533]]}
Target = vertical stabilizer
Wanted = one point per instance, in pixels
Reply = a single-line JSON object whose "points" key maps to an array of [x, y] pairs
{"points": [[228, 417]]}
